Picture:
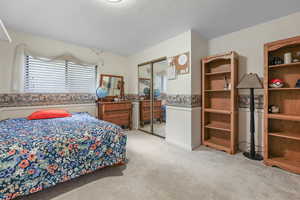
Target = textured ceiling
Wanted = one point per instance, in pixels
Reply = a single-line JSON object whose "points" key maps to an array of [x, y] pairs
{"points": [[133, 25]]}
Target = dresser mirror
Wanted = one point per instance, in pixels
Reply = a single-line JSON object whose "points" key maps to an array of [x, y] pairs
{"points": [[113, 84]]}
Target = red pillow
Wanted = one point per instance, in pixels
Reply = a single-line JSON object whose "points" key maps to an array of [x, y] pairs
{"points": [[48, 114]]}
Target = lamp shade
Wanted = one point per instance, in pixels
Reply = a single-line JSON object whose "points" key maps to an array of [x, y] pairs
{"points": [[249, 81], [3, 33]]}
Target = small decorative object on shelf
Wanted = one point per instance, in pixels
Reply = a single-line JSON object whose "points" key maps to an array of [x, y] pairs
{"points": [[117, 99], [276, 83], [156, 93], [288, 58], [226, 84], [275, 61], [147, 91], [296, 60], [274, 109], [298, 84]]}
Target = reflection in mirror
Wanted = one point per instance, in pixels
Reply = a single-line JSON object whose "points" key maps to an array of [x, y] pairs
{"points": [[144, 82], [113, 85], [160, 80], [145, 74]]}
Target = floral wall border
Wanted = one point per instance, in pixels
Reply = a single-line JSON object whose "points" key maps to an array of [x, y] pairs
{"points": [[244, 101], [41, 99]]}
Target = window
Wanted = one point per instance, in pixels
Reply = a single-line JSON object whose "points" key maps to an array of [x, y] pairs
{"points": [[41, 75]]}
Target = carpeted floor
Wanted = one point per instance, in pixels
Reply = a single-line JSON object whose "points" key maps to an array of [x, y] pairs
{"points": [[159, 171]]}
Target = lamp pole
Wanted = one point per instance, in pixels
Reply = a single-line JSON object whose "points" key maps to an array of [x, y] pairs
{"points": [[252, 123], [252, 155]]}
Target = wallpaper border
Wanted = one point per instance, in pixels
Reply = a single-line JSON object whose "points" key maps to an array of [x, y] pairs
{"points": [[42, 99]]}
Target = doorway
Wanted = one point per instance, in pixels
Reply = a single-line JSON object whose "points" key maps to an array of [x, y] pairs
{"points": [[152, 84]]}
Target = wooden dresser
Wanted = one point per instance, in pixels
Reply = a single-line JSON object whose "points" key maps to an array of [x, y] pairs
{"points": [[145, 114], [119, 113]]}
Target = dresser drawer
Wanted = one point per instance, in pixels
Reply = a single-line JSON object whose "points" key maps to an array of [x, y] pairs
{"points": [[114, 114], [155, 104], [147, 116], [118, 121], [119, 106]]}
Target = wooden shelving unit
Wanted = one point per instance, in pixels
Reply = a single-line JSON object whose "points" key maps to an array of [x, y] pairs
{"points": [[219, 115], [282, 130]]}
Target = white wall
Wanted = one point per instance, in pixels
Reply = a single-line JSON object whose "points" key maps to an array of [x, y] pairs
{"points": [[199, 50], [113, 64], [249, 43], [183, 124], [168, 48]]}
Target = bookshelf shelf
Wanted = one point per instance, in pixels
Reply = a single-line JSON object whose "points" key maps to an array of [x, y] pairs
{"points": [[297, 64], [288, 135]]}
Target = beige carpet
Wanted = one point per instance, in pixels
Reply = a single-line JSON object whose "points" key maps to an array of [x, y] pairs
{"points": [[159, 171]]}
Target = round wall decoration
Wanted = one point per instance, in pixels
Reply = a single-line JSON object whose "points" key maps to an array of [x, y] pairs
{"points": [[183, 59], [182, 63]]}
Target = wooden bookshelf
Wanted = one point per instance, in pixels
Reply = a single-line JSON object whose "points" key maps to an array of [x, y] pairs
{"points": [[219, 115], [282, 130]]}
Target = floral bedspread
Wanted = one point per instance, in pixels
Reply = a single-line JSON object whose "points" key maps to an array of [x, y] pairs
{"points": [[39, 154]]}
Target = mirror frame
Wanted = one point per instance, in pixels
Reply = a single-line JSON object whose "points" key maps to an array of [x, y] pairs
{"points": [[115, 76]]}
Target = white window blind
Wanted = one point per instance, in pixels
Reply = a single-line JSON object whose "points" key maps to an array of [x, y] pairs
{"points": [[41, 75]]}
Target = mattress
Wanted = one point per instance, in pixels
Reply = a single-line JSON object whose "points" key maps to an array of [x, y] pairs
{"points": [[39, 154]]}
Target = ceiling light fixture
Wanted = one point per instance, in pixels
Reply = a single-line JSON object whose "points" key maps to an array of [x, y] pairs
{"points": [[114, 1]]}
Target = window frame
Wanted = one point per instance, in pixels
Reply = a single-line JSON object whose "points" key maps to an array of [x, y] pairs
{"points": [[67, 65]]}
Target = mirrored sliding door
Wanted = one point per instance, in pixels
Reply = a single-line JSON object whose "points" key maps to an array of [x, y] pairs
{"points": [[152, 84], [159, 97], [145, 96]]}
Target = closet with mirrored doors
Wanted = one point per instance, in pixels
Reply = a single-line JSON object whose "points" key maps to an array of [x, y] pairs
{"points": [[152, 86]]}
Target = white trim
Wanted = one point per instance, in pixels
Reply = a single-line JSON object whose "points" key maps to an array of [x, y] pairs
{"points": [[183, 108]]}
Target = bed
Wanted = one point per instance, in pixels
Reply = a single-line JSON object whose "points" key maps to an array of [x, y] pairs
{"points": [[38, 154]]}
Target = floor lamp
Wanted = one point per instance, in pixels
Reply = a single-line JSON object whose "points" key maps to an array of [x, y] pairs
{"points": [[251, 81]]}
